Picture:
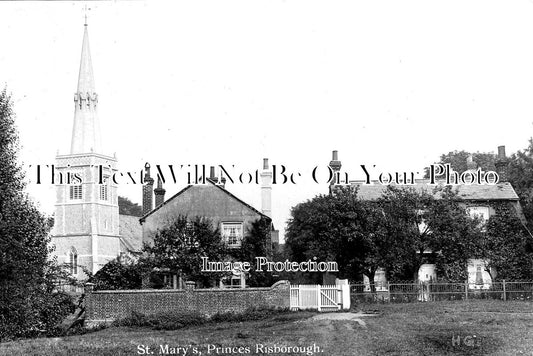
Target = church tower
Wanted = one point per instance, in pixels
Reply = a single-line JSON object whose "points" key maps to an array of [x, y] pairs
{"points": [[86, 220]]}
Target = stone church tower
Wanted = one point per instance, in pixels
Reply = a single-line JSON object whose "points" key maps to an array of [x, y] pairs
{"points": [[86, 228]]}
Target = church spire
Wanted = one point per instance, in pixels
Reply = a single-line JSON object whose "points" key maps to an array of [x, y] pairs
{"points": [[86, 129]]}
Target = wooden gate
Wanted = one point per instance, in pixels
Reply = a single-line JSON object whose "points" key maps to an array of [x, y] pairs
{"points": [[314, 296]]}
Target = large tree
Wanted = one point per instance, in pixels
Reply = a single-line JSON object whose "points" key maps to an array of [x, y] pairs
{"points": [[29, 303], [256, 244], [127, 207], [507, 246], [520, 175], [402, 230], [180, 246], [434, 227], [458, 160], [328, 228]]}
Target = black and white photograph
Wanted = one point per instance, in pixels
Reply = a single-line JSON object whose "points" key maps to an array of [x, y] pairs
{"points": [[282, 177]]}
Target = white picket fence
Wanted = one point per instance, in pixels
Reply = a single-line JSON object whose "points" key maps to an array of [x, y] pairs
{"points": [[320, 297]]}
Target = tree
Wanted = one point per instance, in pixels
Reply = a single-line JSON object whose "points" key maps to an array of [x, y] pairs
{"points": [[328, 228], [507, 246], [255, 244], [458, 159], [402, 230], [431, 228], [127, 207], [29, 303], [520, 175], [180, 246]]}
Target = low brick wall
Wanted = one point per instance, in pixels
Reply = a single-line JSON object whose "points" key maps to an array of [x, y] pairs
{"points": [[114, 304]]}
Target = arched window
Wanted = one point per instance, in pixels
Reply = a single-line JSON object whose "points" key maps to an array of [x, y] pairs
{"points": [[73, 261]]}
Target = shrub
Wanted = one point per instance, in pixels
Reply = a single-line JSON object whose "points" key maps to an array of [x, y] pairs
{"points": [[162, 321], [258, 313], [181, 319]]}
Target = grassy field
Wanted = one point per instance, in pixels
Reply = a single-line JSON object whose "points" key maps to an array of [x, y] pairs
{"points": [[479, 328]]}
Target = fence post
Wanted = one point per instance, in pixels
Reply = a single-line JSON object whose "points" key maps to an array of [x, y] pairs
{"points": [[319, 303], [504, 296], [466, 290]]}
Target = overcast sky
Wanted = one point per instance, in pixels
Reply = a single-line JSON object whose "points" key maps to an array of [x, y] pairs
{"points": [[390, 83]]}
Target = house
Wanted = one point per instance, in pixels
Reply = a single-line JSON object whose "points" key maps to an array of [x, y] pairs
{"points": [[480, 200], [231, 215]]}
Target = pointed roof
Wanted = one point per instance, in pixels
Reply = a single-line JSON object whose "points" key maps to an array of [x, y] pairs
{"points": [[86, 129], [86, 76], [213, 183]]}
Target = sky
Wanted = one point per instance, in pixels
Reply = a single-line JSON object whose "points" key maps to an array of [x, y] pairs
{"points": [[386, 83]]}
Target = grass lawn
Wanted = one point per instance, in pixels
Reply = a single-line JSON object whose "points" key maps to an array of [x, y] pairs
{"points": [[500, 328]]}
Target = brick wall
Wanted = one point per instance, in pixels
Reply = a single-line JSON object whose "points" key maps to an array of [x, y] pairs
{"points": [[111, 305]]}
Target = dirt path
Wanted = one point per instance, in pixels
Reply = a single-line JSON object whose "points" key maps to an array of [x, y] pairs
{"points": [[354, 317]]}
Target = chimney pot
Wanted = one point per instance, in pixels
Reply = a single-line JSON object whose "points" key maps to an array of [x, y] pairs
{"points": [[335, 156], [212, 173], [265, 163]]}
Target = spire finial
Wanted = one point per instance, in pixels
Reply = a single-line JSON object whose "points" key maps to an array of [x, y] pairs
{"points": [[86, 9]]}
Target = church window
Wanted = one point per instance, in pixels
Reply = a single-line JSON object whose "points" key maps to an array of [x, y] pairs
{"points": [[75, 192], [104, 190], [73, 261], [232, 234]]}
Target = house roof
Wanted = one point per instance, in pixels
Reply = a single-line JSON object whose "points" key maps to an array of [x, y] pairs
{"points": [[500, 191], [209, 181], [130, 232]]}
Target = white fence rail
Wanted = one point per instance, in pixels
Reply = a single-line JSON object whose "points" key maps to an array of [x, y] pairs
{"points": [[319, 297]]}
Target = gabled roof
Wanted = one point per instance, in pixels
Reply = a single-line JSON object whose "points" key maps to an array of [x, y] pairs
{"points": [[474, 192], [209, 181]]}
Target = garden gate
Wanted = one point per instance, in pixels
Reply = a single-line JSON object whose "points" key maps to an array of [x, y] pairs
{"points": [[320, 297]]}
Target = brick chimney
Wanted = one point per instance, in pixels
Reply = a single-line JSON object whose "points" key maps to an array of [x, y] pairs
{"points": [[501, 164], [159, 193], [148, 187], [335, 165], [213, 177], [266, 189]]}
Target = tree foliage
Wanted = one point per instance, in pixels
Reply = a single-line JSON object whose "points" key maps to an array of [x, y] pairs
{"points": [[256, 244], [402, 230], [180, 246], [29, 304], [328, 228], [520, 175], [127, 207], [457, 160], [507, 246]]}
